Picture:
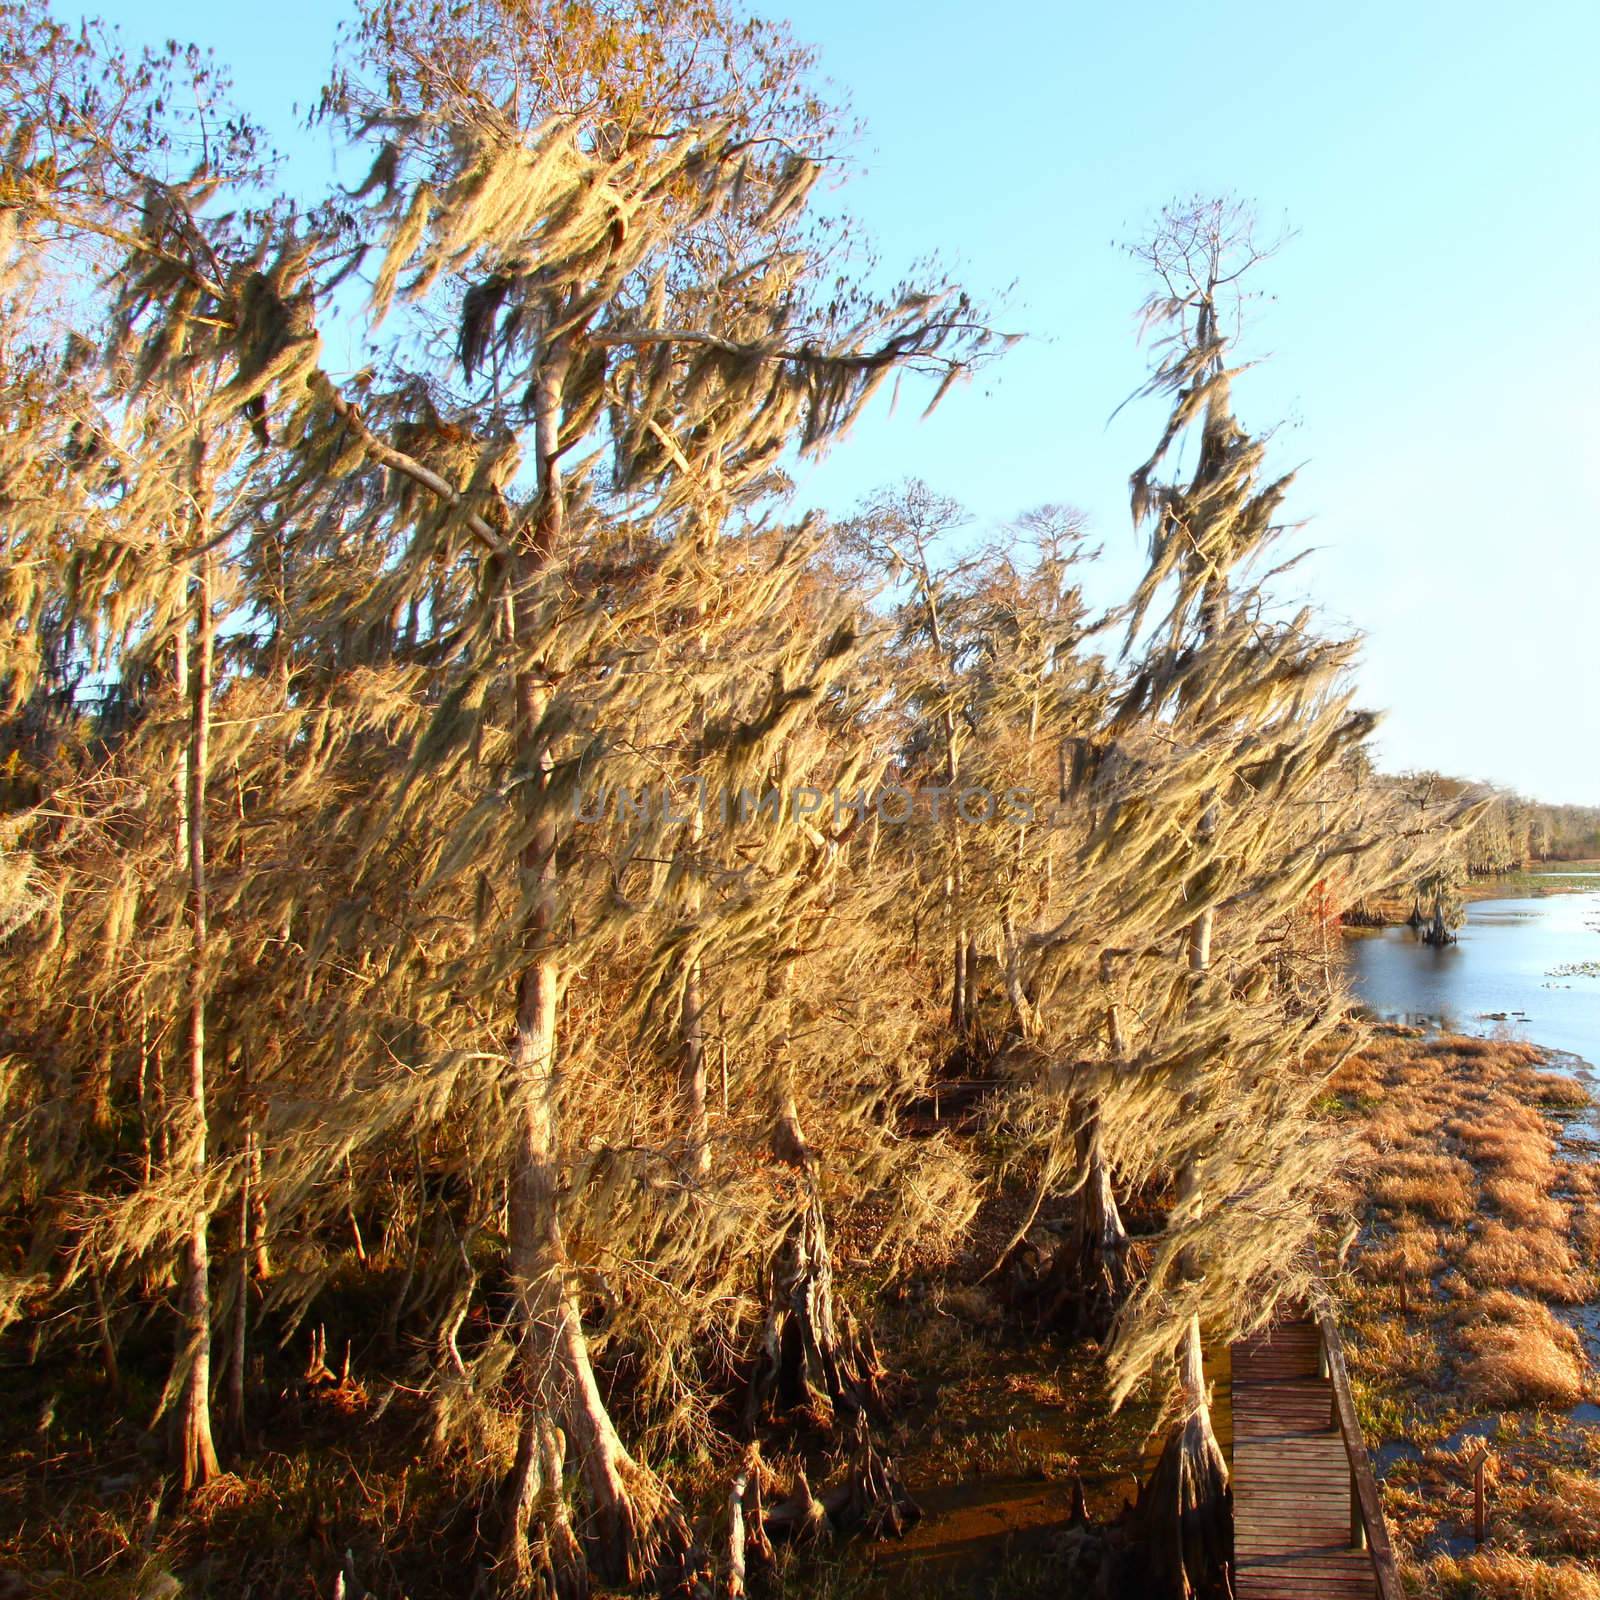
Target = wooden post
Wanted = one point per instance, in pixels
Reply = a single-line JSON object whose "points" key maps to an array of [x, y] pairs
{"points": [[1358, 1527], [1325, 1372]]}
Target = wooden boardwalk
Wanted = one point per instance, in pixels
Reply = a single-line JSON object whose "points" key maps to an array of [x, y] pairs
{"points": [[1292, 1476]]}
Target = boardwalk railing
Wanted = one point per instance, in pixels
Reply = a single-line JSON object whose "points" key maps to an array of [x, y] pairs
{"points": [[1368, 1530]]}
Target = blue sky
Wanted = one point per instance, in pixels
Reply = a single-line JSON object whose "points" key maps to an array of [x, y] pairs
{"points": [[1433, 340]]}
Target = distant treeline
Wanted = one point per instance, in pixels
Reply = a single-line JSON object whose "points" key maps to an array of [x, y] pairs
{"points": [[1509, 832], [1506, 833], [1514, 832]]}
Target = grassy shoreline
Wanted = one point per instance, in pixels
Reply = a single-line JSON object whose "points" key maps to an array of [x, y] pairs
{"points": [[1547, 878], [1472, 1303]]}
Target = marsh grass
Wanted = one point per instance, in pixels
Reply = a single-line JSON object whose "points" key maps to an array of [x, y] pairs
{"points": [[1524, 1203], [1439, 1187], [1505, 1575], [1537, 1259], [1522, 1363], [1479, 1225]]}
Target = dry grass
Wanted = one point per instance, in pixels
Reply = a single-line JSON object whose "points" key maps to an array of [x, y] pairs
{"points": [[1518, 1354], [1499, 1053], [1536, 1259], [1513, 1142], [1477, 1226], [1411, 1253], [1504, 1575], [1500, 1307], [1438, 1186], [1582, 1177], [1410, 1353], [1586, 1231], [1570, 1511], [1524, 1203], [1554, 1089]]}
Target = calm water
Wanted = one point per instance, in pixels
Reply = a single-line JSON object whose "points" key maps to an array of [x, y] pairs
{"points": [[1505, 961]]}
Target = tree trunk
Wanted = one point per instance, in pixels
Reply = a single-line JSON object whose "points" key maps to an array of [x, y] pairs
{"points": [[1184, 1518], [635, 1526], [241, 1312], [806, 1352], [1200, 943], [539, 1553], [692, 1082], [99, 1088], [1438, 933], [697, 1122], [260, 1248], [961, 986], [516, 1569], [1022, 1012], [151, 1110], [733, 1582], [1182, 1526], [197, 1455], [108, 1342], [1090, 1275], [958, 970]]}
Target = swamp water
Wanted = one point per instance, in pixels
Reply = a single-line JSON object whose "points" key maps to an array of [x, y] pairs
{"points": [[1529, 967]]}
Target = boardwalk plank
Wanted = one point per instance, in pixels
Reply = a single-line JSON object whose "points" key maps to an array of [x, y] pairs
{"points": [[1291, 1476]]}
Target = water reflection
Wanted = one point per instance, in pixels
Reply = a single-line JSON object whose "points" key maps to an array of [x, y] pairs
{"points": [[1500, 975]]}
